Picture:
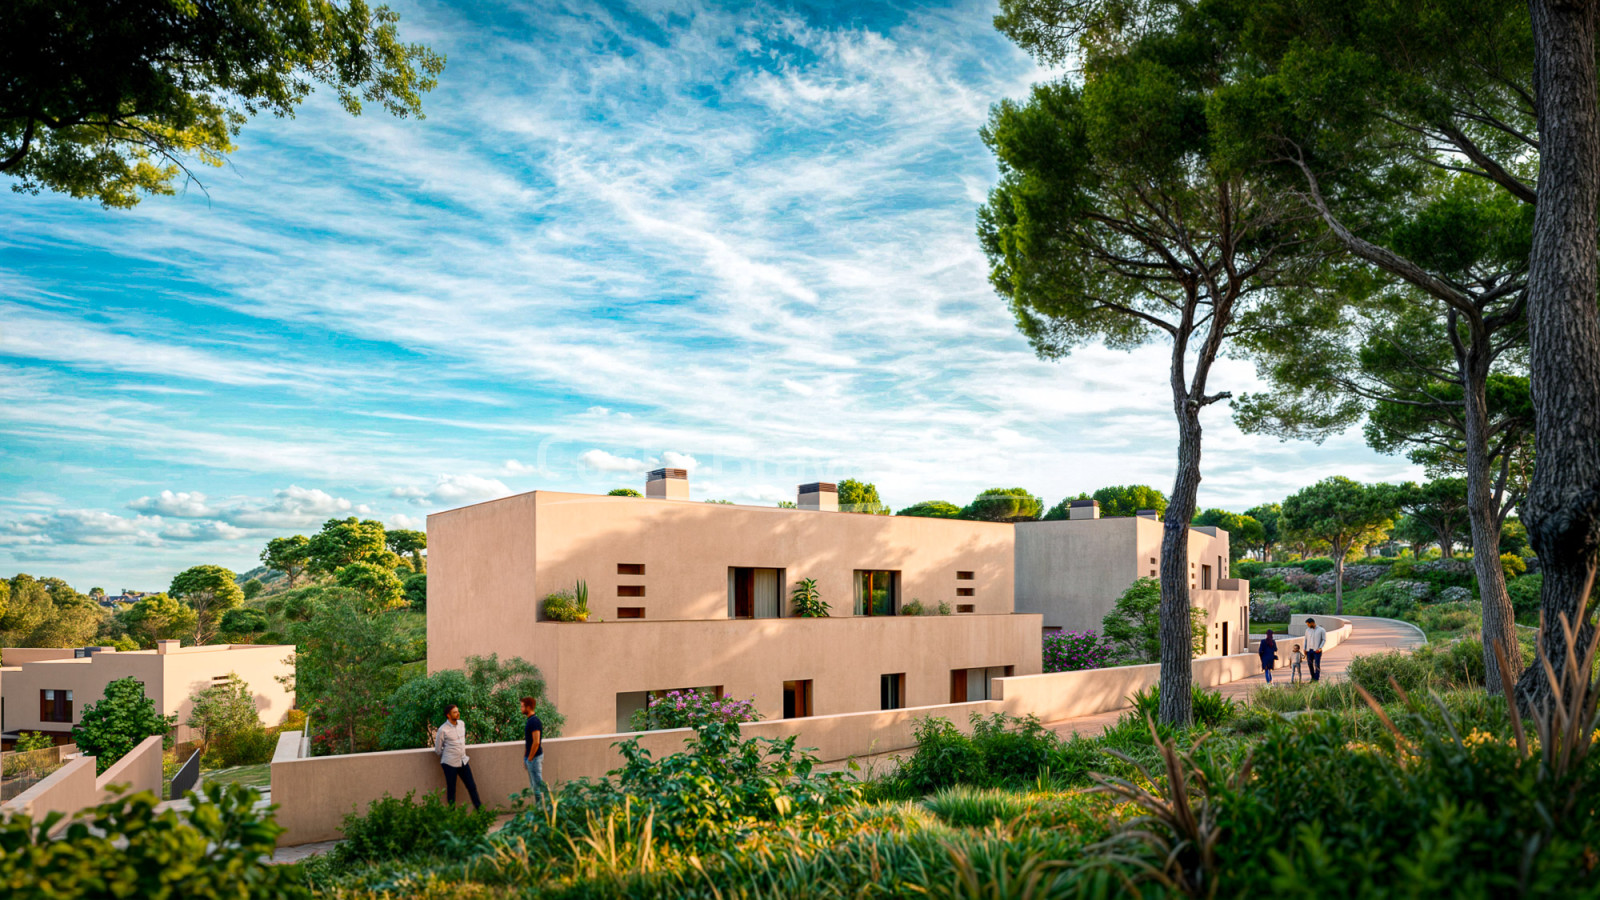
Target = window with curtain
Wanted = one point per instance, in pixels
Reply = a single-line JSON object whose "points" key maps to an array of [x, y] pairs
{"points": [[877, 592]]}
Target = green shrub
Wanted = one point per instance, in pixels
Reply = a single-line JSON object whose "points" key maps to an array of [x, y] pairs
{"points": [[913, 608], [1210, 708], [564, 606], [1316, 565], [29, 741], [1513, 565], [246, 747], [124, 848], [396, 828], [689, 708], [112, 726], [1524, 593], [489, 692], [1249, 569], [1405, 567], [1313, 605], [1449, 666], [717, 792]]}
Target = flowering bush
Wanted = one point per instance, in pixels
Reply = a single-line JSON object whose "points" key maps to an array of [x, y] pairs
{"points": [[1069, 651], [691, 709]]}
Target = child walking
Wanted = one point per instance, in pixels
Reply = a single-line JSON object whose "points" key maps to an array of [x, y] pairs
{"points": [[1294, 664]]}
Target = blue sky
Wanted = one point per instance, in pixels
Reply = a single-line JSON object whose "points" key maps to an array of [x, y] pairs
{"points": [[739, 241]]}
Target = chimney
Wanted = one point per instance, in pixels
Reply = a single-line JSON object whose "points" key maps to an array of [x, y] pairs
{"points": [[1084, 509], [819, 495], [165, 647], [667, 484], [1148, 514]]}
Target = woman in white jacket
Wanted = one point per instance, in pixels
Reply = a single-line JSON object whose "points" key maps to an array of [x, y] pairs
{"points": [[450, 743]]}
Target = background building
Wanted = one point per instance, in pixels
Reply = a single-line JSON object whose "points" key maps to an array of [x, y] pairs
{"points": [[46, 690]]}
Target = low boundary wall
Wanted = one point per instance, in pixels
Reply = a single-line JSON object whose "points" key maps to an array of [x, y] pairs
{"points": [[314, 794], [75, 787]]}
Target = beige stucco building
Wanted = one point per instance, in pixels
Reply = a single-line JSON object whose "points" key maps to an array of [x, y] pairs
{"points": [[685, 594], [1071, 572], [47, 689]]}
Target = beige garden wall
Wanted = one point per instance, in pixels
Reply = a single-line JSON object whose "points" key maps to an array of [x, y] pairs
{"points": [[75, 787], [314, 794]]}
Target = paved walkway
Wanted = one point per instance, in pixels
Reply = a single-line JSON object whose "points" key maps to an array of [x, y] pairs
{"points": [[1369, 635]]}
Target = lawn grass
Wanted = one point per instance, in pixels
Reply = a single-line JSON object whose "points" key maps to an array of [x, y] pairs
{"points": [[257, 776], [1261, 627]]}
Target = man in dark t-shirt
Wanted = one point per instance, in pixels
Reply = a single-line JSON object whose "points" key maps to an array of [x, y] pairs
{"points": [[533, 747]]}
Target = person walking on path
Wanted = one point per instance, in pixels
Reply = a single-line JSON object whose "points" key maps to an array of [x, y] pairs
{"points": [[533, 747], [1316, 639], [1295, 656], [1269, 655], [450, 743]]}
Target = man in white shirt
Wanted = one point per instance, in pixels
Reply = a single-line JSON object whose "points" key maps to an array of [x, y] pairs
{"points": [[450, 743], [1316, 637]]}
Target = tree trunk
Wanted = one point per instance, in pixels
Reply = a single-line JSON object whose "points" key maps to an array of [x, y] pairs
{"points": [[1338, 579], [1177, 636], [1483, 515], [1562, 511]]}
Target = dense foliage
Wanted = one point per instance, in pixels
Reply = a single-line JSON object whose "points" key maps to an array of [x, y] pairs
{"points": [[1133, 626], [396, 828], [124, 848], [690, 709], [113, 725], [489, 693], [1069, 651]]}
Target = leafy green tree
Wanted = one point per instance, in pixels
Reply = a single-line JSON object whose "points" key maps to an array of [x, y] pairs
{"points": [[1440, 506], [244, 620], [1128, 500], [1133, 626], [289, 555], [113, 112], [1114, 222], [73, 621], [1514, 537], [405, 542], [1269, 515], [111, 727], [379, 587], [1003, 505], [416, 592], [1344, 513], [347, 661], [623, 492], [159, 617], [342, 542], [225, 708], [489, 693], [253, 588], [932, 509], [1243, 531], [860, 497], [210, 591], [28, 605]]}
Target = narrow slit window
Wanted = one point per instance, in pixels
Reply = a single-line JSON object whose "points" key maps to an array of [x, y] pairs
{"points": [[630, 568], [630, 612], [964, 607], [963, 576], [963, 592], [630, 590]]}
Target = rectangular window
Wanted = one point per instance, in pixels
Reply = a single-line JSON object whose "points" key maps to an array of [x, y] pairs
{"points": [[968, 685], [1205, 578], [630, 612], [630, 568], [754, 593], [55, 706], [630, 590], [963, 576], [877, 593], [963, 592], [1152, 573], [964, 607], [892, 691], [796, 699]]}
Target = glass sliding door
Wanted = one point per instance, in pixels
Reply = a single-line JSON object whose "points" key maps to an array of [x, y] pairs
{"points": [[877, 592]]}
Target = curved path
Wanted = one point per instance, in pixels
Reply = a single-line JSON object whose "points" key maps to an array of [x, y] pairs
{"points": [[1369, 635]]}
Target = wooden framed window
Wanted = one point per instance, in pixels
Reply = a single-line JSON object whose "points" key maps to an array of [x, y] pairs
{"points": [[55, 706], [964, 607], [892, 691], [963, 576], [963, 592], [796, 699], [630, 590], [877, 593], [630, 612], [630, 568]]}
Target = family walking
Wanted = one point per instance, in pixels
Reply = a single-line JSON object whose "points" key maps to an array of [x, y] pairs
{"points": [[1316, 638], [450, 745]]}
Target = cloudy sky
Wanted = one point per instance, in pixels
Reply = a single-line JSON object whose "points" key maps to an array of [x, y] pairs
{"points": [[738, 242]]}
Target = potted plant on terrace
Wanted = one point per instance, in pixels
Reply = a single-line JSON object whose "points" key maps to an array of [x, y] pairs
{"points": [[806, 600], [568, 605]]}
